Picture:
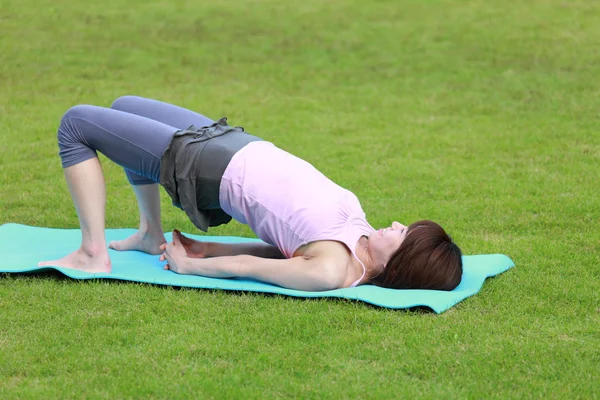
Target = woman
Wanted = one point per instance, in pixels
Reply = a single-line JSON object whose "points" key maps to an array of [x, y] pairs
{"points": [[315, 232]]}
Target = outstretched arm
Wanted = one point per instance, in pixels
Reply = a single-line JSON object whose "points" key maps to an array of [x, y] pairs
{"points": [[257, 249], [199, 249], [311, 274]]}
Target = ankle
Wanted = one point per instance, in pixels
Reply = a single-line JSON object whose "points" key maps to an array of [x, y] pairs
{"points": [[150, 229], [94, 250]]}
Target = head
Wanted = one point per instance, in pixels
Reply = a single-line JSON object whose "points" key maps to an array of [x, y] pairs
{"points": [[421, 256]]}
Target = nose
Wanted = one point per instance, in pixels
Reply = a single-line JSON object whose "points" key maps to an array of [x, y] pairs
{"points": [[398, 225]]}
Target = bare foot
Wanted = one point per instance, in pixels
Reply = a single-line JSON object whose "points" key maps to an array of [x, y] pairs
{"points": [[82, 260], [148, 242]]}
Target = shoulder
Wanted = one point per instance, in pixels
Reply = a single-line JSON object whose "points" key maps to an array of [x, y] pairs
{"points": [[330, 257]]}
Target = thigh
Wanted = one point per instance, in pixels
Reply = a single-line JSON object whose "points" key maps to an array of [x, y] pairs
{"points": [[166, 113], [134, 142]]}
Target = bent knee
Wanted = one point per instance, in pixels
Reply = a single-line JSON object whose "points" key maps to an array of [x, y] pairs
{"points": [[69, 121], [124, 103], [71, 142], [80, 111]]}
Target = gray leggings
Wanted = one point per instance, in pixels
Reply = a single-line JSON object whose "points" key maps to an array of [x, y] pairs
{"points": [[133, 133]]}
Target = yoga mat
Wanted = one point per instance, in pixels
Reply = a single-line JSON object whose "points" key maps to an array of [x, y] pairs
{"points": [[22, 247]]}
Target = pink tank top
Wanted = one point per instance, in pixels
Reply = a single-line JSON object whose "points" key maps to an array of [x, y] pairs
{"points": [[288, 203]]}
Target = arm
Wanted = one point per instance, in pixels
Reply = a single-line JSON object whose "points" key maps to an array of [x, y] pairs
{"points": [[299, 273], [258, 249], [312, 274], [199, 249]]}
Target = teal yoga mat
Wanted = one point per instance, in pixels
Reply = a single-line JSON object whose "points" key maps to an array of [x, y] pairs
{"points": [[22, 247]]}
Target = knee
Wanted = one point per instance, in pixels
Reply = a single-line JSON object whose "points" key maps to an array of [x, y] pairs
{"points": [[124, 103], [71, 141], [80, 111], [69, 120]]}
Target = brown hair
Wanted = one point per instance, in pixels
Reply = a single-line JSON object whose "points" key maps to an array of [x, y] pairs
{"points": [[426, 259]]}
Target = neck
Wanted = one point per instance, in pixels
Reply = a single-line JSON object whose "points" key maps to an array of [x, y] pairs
{"points": [[362, 252]]}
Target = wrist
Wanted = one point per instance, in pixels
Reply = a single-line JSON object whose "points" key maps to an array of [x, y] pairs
{"points": [[186, 267]]}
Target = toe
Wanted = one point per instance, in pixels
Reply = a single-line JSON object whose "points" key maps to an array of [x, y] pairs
{"points": [[45, 263], [116, 245]]}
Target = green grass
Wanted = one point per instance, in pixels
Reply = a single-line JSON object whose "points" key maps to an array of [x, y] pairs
{"points": [[482, 115]]}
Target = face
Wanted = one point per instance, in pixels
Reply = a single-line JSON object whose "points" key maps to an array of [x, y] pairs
{"points": [[384, 242]]}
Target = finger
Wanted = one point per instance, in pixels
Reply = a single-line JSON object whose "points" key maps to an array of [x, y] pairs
{"points": [[168, 248], [167, 254], [182, 238], [163, 247], [170, 254], [176, 238]]}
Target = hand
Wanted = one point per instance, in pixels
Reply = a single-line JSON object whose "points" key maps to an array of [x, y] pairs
{"points": [[175, 255], [193, 248]]}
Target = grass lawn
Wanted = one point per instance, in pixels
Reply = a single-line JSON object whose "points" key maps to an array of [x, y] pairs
{"points": [[481, 115]]}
